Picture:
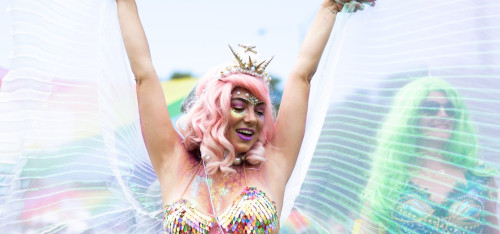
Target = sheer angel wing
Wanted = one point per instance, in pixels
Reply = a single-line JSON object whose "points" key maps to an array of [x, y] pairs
{"points": [[371, 55], [72, 153]]}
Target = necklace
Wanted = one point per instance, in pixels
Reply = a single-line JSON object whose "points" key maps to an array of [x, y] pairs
{"points": [[238, 160], [211, 203], [433, 172]]}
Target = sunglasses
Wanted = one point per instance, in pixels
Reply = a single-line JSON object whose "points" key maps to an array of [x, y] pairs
{"points": [[432, 108]]}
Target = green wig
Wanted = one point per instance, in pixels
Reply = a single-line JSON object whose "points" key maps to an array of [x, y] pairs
{"points": [[395, 156]]}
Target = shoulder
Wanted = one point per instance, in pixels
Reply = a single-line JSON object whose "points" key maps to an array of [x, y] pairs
{"points": [[482, 177], [483, 170]]}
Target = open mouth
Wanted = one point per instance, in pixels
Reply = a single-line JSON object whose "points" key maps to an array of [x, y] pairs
{"points": [[245, 134]]}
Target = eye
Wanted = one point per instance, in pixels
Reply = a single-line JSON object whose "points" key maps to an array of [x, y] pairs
{"points": [[449, 109], [430, 108], [259, 111], [238, 108]]}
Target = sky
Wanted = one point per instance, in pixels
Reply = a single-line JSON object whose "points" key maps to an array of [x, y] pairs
{"points": [[193, 35]]}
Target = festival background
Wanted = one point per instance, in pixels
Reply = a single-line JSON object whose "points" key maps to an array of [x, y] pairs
{"points": [[55, 198]]}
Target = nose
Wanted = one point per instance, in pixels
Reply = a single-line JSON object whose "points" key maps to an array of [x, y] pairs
{"points": [[442, 112], [251, 117]]}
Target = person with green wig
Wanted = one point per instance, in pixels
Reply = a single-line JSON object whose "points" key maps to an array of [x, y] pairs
{"points": [[425, 175]]}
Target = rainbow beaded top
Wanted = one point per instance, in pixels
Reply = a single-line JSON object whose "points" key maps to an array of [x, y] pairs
{"points": [[251, 212], [462, 212]]}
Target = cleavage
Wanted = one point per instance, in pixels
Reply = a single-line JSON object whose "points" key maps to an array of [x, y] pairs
{"points": [[223, 191]]}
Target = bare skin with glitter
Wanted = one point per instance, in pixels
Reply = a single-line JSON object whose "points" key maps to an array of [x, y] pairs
{"points": [[222, 187]]}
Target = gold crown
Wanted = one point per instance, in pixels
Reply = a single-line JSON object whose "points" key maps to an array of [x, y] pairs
{"points": [[253, 66]]}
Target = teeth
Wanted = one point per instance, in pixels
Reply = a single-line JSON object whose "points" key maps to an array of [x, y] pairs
{"points": [[244, 131]]}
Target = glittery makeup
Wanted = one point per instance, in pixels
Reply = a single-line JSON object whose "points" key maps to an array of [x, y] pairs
{"points": [[254, 101], [197, 182], [237, 114]]}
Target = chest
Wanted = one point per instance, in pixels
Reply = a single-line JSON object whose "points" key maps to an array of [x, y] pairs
{"points": [[252, 211], [461, 210], [213, 195], [203, 203], [438, 185]]}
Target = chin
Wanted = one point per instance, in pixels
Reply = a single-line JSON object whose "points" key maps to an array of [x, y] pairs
{"points": [[243, 147], [239, 150]]}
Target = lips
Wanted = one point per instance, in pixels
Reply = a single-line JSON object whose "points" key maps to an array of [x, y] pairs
{"points": [[444, 125], [441, 126], [245, 133]]}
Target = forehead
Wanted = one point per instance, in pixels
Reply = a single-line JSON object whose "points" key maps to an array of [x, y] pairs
{"points": [[245, 94], [436, 96], [241, 90]]}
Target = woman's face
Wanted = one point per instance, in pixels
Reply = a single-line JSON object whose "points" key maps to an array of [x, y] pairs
{"points": [[246, 120], [437, 116]]}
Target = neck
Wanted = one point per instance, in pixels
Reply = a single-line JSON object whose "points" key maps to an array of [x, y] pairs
{"points": [[239, 159], [433, 159]]}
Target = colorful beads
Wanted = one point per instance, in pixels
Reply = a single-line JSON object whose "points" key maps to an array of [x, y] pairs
{"points": [[181, 217], [461, 212], [251, 212]]}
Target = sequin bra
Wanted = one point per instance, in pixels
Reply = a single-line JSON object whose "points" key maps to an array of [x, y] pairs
{"points": [[251, 212], [462, 211]]}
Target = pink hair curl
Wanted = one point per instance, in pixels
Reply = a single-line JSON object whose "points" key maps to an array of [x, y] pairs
{"points": [[206, 121]]}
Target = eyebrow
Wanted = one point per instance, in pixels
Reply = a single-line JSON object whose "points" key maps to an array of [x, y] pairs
{"points": [[247, 101]]}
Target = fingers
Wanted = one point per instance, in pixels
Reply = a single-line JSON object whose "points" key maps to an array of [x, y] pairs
{"points": [[339, 6], [355, 5]]}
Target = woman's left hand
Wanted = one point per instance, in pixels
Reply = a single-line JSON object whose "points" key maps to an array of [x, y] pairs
{"points": [[352, 5], [332, 5]]}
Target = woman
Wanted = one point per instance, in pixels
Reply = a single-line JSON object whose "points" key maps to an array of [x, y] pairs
{"points": [[228, 169], [425, 175]]}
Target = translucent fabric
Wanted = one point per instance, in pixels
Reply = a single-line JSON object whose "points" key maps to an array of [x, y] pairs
{"points": [[359, 90], [73, 158]]}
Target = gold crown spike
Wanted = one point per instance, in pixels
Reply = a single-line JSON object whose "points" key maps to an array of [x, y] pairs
{"points": [[242, 64], [264, 63], [247, 67]]}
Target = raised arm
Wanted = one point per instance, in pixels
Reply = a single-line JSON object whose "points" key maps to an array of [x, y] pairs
{"points": [[158, 132], [290, 123]]}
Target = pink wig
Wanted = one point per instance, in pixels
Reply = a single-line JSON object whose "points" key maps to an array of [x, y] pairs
{"points": [[206, 121]]}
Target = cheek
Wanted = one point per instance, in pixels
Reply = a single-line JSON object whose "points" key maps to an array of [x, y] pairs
{"points": [[423, 125], [452, 125], [261, 119], [424, 122], [236, 114], [260, 124]]}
